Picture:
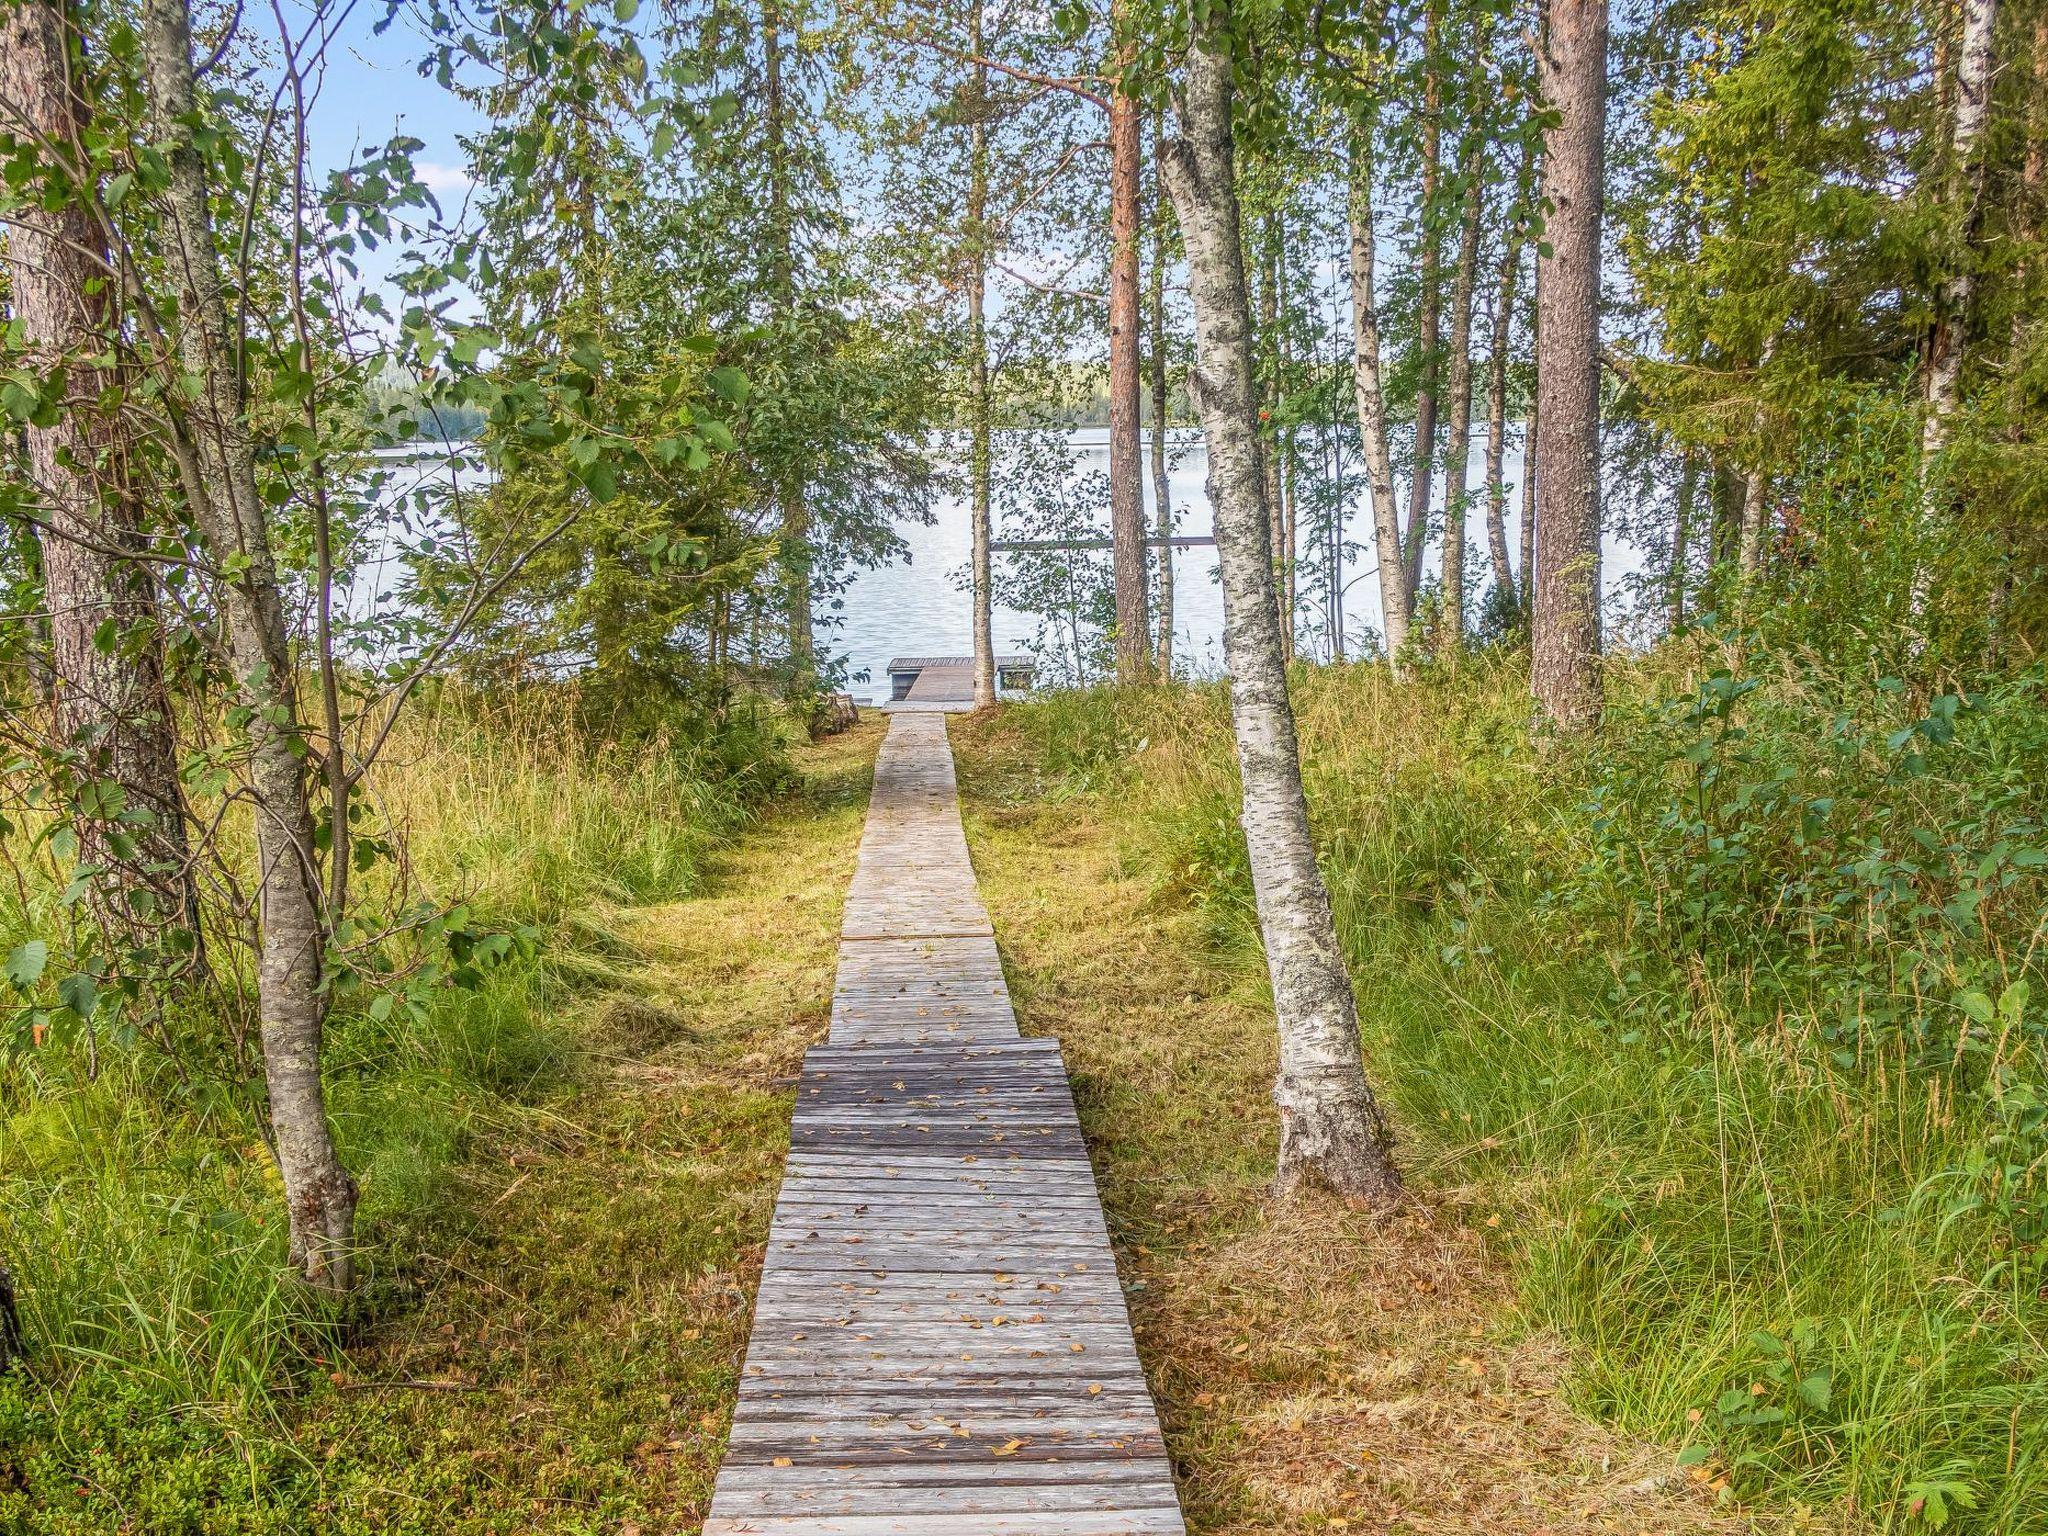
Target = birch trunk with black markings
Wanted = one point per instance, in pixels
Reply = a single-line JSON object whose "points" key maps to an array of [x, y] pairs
{"points": [[1331, 1131]]}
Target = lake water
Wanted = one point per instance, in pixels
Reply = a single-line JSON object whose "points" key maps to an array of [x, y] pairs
{"points": [[919, 604], [920, 607]]}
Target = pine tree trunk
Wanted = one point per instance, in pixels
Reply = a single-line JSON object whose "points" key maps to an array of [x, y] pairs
{"points": [[1331, 1132], [1428, 298], [1369, 396], [980, 452], [1130, 569], [109, 704], [320, 1196], [1162, 488], [1565, 638], [1458, 434]]}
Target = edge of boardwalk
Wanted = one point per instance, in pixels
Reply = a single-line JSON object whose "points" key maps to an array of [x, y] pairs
{"points": [[940, 1345]]}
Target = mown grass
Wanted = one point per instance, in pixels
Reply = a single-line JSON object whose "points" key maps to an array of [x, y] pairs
{"points": [[1721, 1230], [566, 1176]]}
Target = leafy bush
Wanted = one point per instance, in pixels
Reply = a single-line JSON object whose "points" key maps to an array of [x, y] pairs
{"points": [[1739, 1006]]}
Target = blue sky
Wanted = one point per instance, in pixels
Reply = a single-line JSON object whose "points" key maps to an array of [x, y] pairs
{"points": [[373, 89]]}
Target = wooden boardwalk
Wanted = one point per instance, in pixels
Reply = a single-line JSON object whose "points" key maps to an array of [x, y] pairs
{"points": [[940, 1346]]}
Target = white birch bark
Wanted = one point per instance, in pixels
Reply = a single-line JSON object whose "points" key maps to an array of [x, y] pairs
{"points": [[1331, 1132], [320, 1196], [1369, 397]]}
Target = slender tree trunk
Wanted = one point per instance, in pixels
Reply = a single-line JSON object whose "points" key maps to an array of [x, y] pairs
{"points": [[1527, 526], [1162, 488], [1270, 444], [1973, 76], [1681, 535], [1753, 528], [1428, 298], [1130, 569], [1331, 1132], [1458, 437], [1498, 358], [1565, 640], [108, 702], [320, 1196], [979, 451], [792, 496], [1369, 396], [1749, 542]]}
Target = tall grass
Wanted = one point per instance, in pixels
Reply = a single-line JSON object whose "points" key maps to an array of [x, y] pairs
{"points": [[1782, 1185], [139, 1209]]}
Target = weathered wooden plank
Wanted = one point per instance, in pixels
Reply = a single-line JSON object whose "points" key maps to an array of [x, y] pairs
{"points": [[940, 1345]]}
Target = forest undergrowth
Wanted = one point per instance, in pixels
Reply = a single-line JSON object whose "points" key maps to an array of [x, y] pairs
{"points": [[567, 1171], [1717, 1046]]}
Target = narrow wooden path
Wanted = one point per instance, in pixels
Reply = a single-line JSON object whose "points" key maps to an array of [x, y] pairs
{"points": [[940, 1346]]}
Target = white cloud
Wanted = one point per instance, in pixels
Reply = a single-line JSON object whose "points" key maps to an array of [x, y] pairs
{"points": [[444, 179]]}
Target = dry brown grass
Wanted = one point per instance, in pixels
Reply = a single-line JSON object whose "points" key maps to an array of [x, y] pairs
{"points": [[1316, 1369]]}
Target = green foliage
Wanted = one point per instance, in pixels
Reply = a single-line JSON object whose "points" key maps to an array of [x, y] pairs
{"points": [[139, 1208], [1739, 1011]]}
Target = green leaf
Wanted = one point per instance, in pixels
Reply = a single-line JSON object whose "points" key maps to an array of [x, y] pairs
{"points": [[25, 963], [729, 384], [80, 993]]}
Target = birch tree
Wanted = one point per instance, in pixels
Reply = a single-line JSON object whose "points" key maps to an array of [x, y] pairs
{"points": [[1370, 400], [1331, 1131], [1959, 258], [217, 461]]}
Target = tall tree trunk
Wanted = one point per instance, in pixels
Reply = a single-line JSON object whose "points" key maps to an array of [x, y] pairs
{"points": [[1129, 568], [108, 702], [1966, 204], [1749, 541], [1162, 488], [1331, 1132], [1428, 297], [1270, 444], [979, 450], [1681, 536], [320, 1196], [792, 496], [1369, 396], [1498, 358], [1565, 642], [1458, 436], [1527, 528]]}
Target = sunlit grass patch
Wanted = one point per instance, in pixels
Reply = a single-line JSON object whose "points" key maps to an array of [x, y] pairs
{"points": [[1711, 1228], [562, 1213]]}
